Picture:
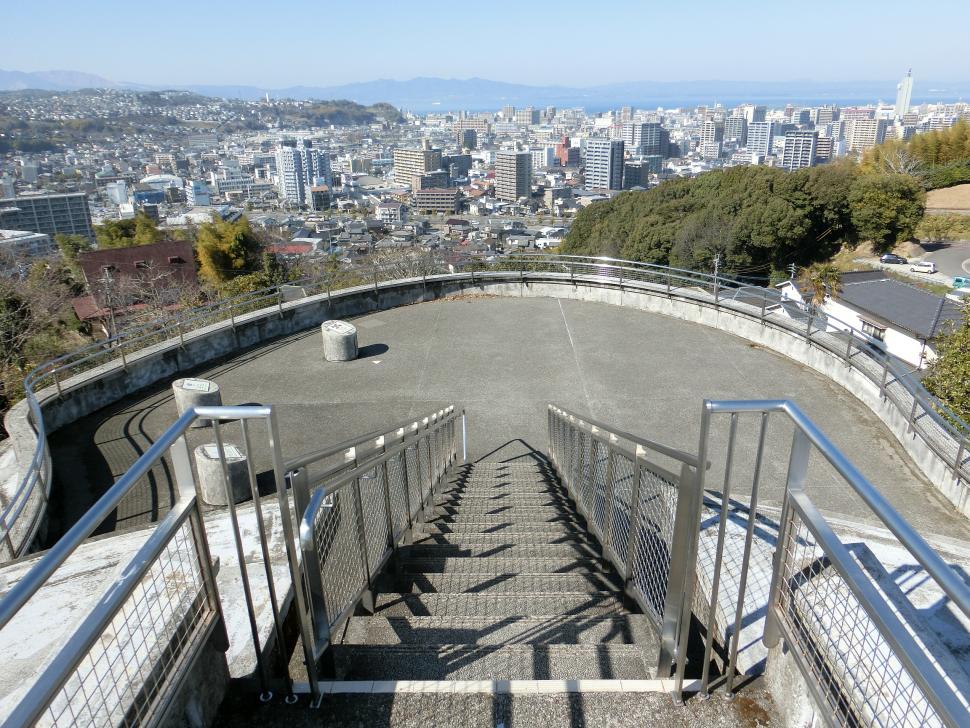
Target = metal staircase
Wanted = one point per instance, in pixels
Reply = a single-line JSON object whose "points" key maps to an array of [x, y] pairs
{"points": [[504, 584]]}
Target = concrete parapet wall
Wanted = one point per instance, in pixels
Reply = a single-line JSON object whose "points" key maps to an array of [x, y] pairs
{"points": [[94, 389]]}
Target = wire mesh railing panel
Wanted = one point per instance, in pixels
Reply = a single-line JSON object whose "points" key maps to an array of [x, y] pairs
{"points": [[413, 471], [124, 673], [340, 559], [600, 472], [374, 512], [620, 509], [396, 477], [586, 453], [857, 672], [653, 546], [424, 466]]}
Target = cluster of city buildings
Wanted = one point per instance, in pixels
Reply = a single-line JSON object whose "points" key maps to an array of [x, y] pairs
{"points": [[539, 165]]}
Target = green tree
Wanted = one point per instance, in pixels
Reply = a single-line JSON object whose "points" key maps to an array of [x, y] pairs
{"points": [[226, 250], [71, 246], [139, 230], [948, 376], [824, 279], [886, 208]]}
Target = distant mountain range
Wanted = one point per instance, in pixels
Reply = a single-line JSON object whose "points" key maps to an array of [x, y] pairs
{"points": [[428, 94]]}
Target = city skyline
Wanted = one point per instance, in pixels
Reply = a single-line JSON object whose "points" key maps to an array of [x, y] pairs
{"points": [[656, 43]]}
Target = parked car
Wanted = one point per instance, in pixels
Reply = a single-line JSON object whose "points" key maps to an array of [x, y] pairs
{"points": [[961, 282], [926, 266], [893, 259]]}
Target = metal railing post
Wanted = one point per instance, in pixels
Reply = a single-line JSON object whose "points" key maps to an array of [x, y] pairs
{"points": [[885, 376], [266, 694], [609, 497], [634, 526], [764, 305], [279, 301], [912, 414], [57, 382], [795, 483], [178, 325], [958, 461], [367, 598]]}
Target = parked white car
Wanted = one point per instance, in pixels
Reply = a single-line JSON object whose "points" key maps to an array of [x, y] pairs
{"points": [[923, 267]]}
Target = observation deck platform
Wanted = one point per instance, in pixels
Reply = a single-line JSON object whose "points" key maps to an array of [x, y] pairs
{"points": [[504, 359]]}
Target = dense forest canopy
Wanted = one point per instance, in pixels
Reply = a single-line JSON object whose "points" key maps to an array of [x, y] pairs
{"points": [[758, 219]]}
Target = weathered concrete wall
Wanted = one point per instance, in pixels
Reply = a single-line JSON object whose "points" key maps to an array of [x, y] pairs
{"points": [[97, 388]]}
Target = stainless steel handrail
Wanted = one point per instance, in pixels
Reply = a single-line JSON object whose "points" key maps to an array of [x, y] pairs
{"points": [[935, 566], [684, 457], [869, 614], [648, 534], [84, 638]]}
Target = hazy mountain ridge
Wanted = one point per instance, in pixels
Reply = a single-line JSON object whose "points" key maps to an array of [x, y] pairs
{"points": [[424, 93]]}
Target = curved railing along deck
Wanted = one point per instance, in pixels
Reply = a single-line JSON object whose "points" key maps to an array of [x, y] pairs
{"points": [[930, 420]]}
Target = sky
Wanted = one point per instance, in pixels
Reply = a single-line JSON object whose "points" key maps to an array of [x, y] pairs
{"points": [[279, 43]]}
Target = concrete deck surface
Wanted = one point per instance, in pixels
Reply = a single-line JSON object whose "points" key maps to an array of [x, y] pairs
{"points": [[504, 359]]}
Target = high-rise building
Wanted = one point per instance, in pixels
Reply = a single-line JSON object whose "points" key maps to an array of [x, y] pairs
{"points": [[904, 94], [826, 115], [800, 149], [712, 131], [824, 149], [760, 138], [197, 193], [543, 158], [513, 175], [411, 162], [48, 214], [736, 128], [508, 113], [754, 114], [645, 138], [863, 134], [527, 116], [467, 139], [298, 168], [604, 164]]}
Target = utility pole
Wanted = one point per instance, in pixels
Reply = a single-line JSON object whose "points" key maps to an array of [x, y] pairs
{"points": [[791, 271], [717, 267]]}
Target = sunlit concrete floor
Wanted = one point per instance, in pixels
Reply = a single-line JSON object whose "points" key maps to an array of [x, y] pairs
{"points": [[503, 360]]}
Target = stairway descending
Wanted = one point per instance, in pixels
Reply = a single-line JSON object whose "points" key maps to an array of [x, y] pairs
{"points": [[502, 584]]}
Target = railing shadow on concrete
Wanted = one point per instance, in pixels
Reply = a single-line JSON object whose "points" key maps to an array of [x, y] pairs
{"points": [[936, 426]]}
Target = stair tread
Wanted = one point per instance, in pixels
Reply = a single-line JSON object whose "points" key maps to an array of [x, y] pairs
{"points": [[491, 662], [502, 564], [507, 583], [499, 630], [498, 604], [507, 550]]}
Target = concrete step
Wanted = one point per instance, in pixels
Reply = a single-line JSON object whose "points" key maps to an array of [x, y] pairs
{"points": [[493, 662], [507, 528], [499, 538], [505, 583], [493, 630], [502, 565], [497, 605], [511, 705], [524, 520], [514, 499], [501, 489], [492, 508], [505, 550]]}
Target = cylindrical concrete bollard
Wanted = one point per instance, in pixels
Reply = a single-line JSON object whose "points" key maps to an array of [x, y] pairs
{"points": [[339, 340], [211, 483], [196, 393]]}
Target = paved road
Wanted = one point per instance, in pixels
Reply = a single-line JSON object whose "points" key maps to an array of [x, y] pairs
{"points": [[504, 359], [953, 259]]}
